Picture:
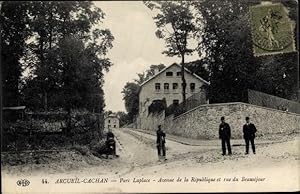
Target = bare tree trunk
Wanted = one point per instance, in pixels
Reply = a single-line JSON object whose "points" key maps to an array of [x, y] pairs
{"points": [[45, 103], [183, 80]]}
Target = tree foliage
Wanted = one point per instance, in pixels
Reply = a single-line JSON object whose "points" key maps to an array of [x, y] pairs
{"points": [[227, 44], [81, 76], [123, 118], [63, 50], [131, 90], [64, 43], [149, 73], [176, 25], [14, 32], [199, 67], [131, 98]]}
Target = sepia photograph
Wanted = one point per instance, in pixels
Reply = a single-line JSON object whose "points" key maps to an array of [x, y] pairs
{"points": [[150, 96]]}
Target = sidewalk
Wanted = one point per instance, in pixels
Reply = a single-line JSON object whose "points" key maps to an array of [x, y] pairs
{"points": [[202, 142]]}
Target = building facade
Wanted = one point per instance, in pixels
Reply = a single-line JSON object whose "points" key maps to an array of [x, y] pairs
{"points": [[166, 84], [111, 121]]}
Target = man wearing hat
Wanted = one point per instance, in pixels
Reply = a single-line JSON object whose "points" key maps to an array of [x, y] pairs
{"points": [[160, 143], [224, 135], [249, 131]]}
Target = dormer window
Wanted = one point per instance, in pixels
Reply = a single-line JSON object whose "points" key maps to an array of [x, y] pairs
{"points": [[169, 73]]}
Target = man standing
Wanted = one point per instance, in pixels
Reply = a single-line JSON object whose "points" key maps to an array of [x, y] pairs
{"points": [[224, 135], [160, 143], [110, 142], [249, 131]]}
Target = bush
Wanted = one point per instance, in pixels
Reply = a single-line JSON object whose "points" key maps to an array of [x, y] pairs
{"points": [[45, 131], [98, 148], [83, 150]]}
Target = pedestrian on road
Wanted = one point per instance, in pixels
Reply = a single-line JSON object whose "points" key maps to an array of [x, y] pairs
{"points": [[160, 143], [110, 141], [225, 135], [249, 131]]}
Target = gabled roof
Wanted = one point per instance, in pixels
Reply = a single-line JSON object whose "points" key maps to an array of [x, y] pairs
{"points": [[111, 116], [163, 70]]}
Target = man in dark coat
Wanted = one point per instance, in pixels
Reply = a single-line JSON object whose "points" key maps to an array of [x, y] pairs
{"points": [[249, 131], [110, 141], [224, 135], [160, 143]]}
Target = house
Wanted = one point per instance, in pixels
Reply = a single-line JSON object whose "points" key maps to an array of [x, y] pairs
{"points": [[166, 84], [111, 121]]}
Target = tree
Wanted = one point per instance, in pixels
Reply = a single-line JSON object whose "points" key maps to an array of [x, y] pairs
{"points": [[55, 25], [227, 42], [149, 73], [66, 53], [179, 18], [131, 98], [50, 23], [278, 74], [131, 90], [199, 67], [123, 118], [14, 33]]}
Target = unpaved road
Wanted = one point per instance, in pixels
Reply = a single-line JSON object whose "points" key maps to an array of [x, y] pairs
{"points": [[136, 151], [278, 164], [140, 148]]}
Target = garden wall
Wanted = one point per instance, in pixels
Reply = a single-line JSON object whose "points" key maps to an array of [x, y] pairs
{"points": [[274, 102], [203, 121]]}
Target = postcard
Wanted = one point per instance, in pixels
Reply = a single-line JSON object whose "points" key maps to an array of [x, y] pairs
{"points": [[150, 96]]}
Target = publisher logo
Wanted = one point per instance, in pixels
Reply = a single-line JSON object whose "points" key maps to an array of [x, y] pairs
{"points": [[23, 182]]}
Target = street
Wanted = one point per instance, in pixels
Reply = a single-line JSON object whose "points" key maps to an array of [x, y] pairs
{"points": [[138, 164], [138, 155]]}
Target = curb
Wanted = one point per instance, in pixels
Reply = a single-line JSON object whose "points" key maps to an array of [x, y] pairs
{"points": [[191, 144]]}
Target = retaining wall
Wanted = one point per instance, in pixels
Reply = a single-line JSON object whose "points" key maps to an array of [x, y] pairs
{"points": [[203, 121]]}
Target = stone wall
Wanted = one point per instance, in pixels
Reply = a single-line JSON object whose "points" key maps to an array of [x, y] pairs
{"points": [[270, 121], [151, 121], [202, 122], [270, 101]]}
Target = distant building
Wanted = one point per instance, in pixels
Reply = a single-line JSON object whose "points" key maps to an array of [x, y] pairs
{"points": [[111, 121], [166, 84]]}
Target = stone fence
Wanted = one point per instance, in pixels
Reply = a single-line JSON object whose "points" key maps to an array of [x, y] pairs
{"points": [[203, 121], [274, 102]]}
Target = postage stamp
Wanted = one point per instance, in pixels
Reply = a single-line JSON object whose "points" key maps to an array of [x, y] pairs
{"points": [[272, 29]]}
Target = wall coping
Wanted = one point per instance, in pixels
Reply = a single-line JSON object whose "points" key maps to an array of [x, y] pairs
{"points": [[172, 115], [233, 103], [275, 110]]}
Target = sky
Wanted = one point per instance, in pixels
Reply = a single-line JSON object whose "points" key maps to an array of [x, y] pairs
{"points": [[135, 47]]}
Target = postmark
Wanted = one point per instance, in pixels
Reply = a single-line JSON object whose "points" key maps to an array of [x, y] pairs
{"points": [[272, 29]]}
